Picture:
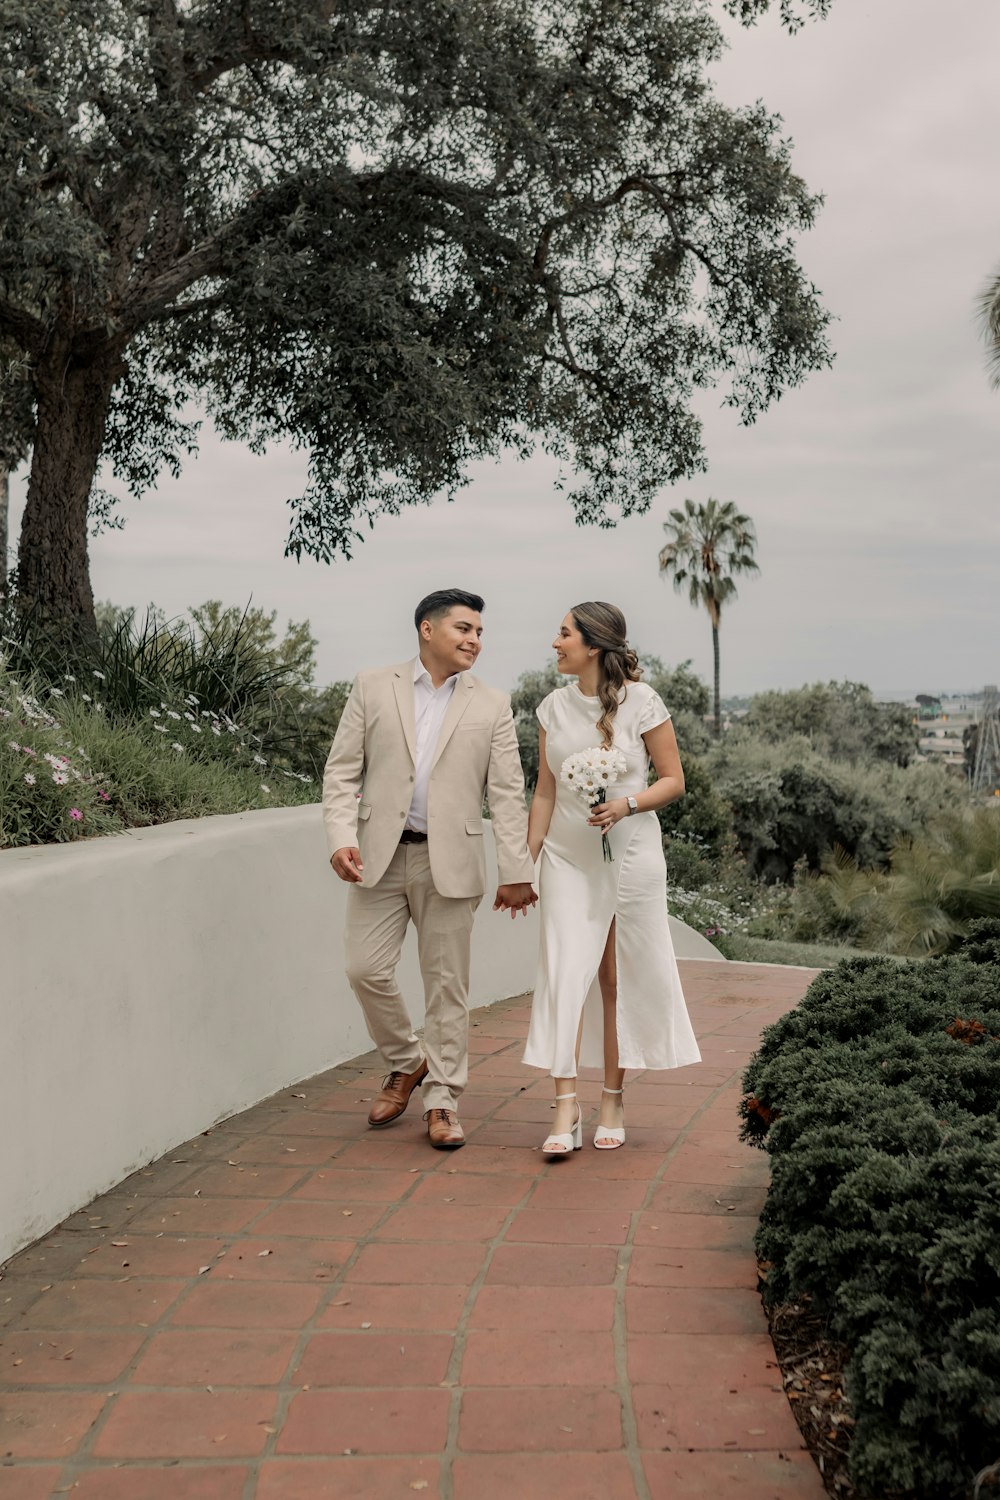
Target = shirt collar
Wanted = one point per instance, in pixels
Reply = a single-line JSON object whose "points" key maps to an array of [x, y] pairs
{"points": [[421, 674]]}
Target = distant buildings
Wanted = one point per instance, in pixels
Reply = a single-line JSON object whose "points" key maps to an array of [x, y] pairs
{"points": [[944, 726]]}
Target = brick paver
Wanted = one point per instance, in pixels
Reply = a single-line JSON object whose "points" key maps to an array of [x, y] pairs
{"points": [[293, 1307]]}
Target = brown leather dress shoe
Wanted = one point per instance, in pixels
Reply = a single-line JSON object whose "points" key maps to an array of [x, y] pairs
{"points": [[443, 1129], [395, 1096]]}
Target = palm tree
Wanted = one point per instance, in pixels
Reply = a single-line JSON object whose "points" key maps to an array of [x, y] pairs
{"points": [[989, 314], [709, 545]]}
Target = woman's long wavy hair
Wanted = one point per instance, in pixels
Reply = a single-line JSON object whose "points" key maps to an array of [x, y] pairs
{"points": [[603, 628]]}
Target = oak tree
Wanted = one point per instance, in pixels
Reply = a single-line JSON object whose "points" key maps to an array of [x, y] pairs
{"points": [[397, 235]]}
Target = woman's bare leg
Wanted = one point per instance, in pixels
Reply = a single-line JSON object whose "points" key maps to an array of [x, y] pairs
{"points": [[614, 1076], [567, 1109]]}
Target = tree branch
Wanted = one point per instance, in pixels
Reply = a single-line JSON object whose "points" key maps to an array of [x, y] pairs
{"points": [[158, 293], [26, 330], [185, 309], [254, 48]]}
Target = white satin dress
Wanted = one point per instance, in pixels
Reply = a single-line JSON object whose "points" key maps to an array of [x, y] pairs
{"points": [[580, 894]]}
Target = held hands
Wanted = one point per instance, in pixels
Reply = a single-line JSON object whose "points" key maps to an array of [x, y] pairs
{"points": [[515, 898], [347, 864], [605, 815]]}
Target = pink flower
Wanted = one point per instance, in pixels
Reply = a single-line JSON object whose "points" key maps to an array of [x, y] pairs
{"points": [[104, 796], [76, 815]]}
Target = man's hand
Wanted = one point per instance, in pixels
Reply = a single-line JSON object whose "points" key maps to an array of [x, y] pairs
{"points": [[347, 864], [515, 898]]}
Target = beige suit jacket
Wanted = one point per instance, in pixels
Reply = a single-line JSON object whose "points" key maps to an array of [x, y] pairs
{"points": [[374, 753]]}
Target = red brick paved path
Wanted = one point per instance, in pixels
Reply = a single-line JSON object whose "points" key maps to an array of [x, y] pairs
{"points": [[292, 1307]]}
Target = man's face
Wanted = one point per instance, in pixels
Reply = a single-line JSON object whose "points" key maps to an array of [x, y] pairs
{"points": [[453, 641]]}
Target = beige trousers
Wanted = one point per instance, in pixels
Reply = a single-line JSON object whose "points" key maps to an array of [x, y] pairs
{"points": [[376, 925]]}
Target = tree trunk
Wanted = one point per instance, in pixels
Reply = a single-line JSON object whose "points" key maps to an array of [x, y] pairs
{"points": [[4, 514], [53, 568], [718, 701]]}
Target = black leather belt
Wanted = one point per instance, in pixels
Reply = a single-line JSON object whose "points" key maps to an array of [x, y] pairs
{"points": [[411, 836]]}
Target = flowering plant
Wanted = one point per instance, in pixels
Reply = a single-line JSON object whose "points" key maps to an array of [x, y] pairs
{"points": [[590, 773]]}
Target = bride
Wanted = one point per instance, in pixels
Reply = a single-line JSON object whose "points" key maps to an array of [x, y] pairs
{"points": [[608, 992]]}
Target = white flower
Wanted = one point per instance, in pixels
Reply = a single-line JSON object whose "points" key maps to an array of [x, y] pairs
{"points": [[52, 760], [591, 772], [60, 778], [99, 708], [196, 729], [172, 715], [175, 746], [259, 760], [57, 692], [188, 715], [191, 698], [216, 730], [86, 698], [160, 728], [265, 788], [15, 746], [29, 779], [205, 714], [68, 677], [154, 713], [96, 673]]}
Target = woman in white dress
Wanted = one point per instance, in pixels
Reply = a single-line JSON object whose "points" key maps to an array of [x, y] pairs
{"points": [[608, 992]]}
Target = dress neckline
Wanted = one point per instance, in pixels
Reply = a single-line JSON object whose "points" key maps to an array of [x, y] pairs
{"points": [[596, 697]]}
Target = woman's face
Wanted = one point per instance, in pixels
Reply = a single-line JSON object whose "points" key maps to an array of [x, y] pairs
{"points": [[572, 651]]}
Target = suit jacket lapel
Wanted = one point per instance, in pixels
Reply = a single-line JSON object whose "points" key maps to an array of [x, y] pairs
{"points": [[402, 686], [460, 700]]}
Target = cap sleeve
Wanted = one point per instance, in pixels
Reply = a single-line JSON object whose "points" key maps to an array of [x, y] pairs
{"points": [[654, 711], [543, 713]]}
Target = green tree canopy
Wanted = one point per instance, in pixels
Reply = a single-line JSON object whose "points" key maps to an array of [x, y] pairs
{"points": [[397, 236], [841, 720]]}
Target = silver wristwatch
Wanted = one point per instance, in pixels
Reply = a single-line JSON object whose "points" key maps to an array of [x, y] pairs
{"points": [[633, 805]]}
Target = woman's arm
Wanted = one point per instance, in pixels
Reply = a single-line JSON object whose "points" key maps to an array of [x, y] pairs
{"points": [[542, 803], [661, 743]]}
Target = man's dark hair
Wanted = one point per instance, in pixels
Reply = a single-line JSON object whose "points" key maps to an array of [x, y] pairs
{"points": [[437, 604]]}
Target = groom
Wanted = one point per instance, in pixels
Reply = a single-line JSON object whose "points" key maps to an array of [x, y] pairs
{"points": [[420, 744]]}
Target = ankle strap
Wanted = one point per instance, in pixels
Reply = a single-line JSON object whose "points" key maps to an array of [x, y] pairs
{"points": [[612, 1091], [566, 1096]]}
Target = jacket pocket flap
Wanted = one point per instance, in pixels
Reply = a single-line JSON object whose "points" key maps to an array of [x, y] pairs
{"points": [[364, 811], [474, 826]]}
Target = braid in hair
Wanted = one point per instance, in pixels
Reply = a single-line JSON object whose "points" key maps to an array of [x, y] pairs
{"points": [[603, 628]]}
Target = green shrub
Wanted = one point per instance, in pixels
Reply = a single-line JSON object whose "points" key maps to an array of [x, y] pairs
{"points": [[69, 770], [936, 885], [229, 660], [701, 816], [878, 1101], [790, 804]]}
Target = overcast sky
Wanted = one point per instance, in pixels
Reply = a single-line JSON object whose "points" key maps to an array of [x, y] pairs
{"points": [[874, 489]]}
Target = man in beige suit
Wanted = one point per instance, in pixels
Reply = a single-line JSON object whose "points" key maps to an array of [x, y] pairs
{"points": [[420, 744]]}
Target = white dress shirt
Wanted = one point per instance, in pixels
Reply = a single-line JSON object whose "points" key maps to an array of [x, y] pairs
{"points": [[430, 704]]}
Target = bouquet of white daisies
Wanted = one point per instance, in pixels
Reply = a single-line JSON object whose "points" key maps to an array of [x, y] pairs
{"points": [[591, 773]]}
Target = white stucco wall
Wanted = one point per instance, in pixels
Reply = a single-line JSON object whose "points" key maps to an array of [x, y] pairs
{"points": [[156, 982]]}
